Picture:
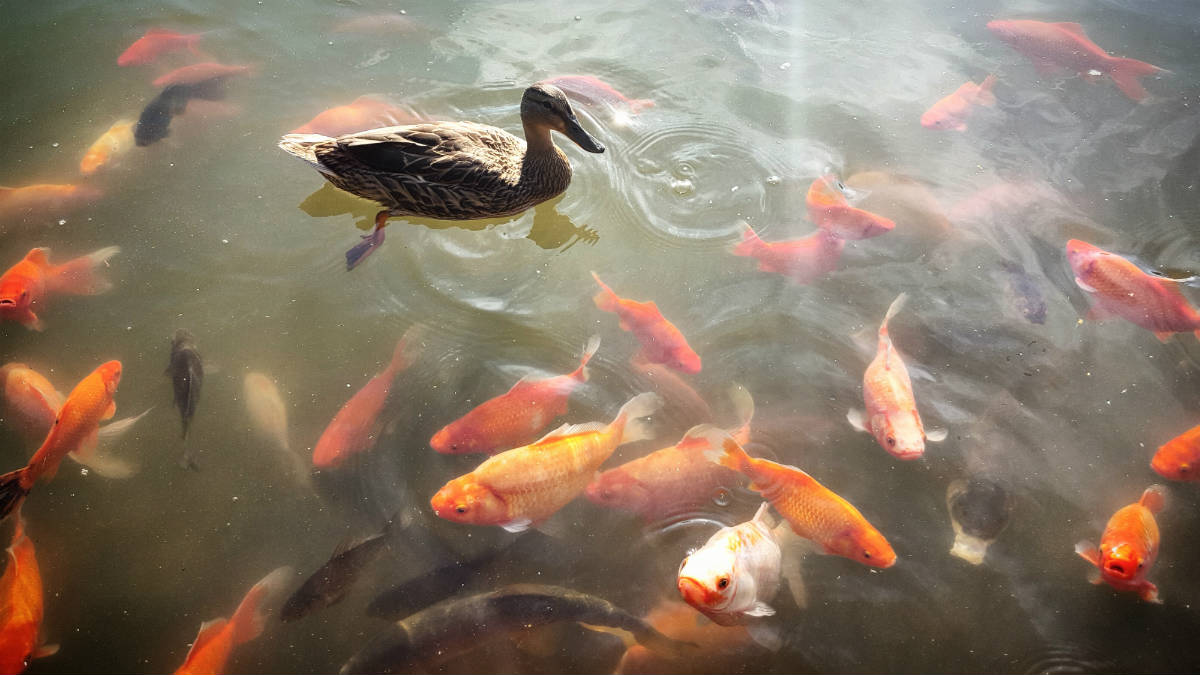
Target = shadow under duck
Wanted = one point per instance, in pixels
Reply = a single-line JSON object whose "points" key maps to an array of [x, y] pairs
{"points": [[450, 170]]}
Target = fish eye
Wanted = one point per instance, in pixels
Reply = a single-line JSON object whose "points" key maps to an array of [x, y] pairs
{"points": [[867, 554], [723, 583], [1140, 565], [891, 441], [460, 508]]}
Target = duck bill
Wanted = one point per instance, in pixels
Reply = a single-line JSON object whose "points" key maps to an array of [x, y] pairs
{"points": [[582, 138]]}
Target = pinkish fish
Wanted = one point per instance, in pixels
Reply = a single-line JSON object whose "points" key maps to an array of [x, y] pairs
{"points": [[952, 111], [592, 90], [199, 72]]}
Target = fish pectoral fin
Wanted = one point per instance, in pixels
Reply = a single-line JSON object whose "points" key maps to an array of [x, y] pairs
{"points": [[765, 634], [1097, 313], [1149, 593], [1163, 336], [109, 411], [760, 608], [1083, 285], [44, 651], [936, 435], [1088, 551], [569, 429], [1071, 27], [518, 525], [858, 419], [961, 126], [626, 637]]}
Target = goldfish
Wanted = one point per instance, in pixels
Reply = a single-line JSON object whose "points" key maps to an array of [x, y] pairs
{"points": [[266, 407], [720, 649], [735, 574], [364, 112], [215, 642], [681, 398], [25, 286], [814, 511], [1129, 546], [353, 428], [526, 485], [594, 91], [198, 73], [952, 111], [154, 44], [21, 605], [116, 141], [1117, 287], [43, 199], [829, 210], [979, 511], [515, 417], [1179, 458], [802, 260], [1064, 45], [186, 371], [661, 341], [891, 415], [77, 424]]}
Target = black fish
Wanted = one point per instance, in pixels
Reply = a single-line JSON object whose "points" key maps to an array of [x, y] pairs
{"points": [[424, 590], [187, 374], [457, 625], [330, 584], [154, 123], [1025, 292]]}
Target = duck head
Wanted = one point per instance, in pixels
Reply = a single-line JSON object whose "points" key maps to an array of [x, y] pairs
{"points": [[545, 106]]}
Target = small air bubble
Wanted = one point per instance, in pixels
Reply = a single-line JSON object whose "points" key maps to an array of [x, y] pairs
{"points": [[722, 497], [62, 221], [773, 180], [224, 241], [54, 145], [785, 65], [83, 471]]}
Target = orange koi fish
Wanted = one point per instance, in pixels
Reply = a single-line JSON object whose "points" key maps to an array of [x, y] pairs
{"points": [[661, 340], [1129, 546], [21, 606], [354, 427], [77, 425], [952, 111], [829, 209], [525, 486], [154, 44], [720, 649], [515, 417], [25, 285], [1117, 287], [43, 200], [891, 415], [1052, 46], [1179, 458], [814, 511], [215, 642], [681, 399], [199, 72], [802, 260], [116, 141], [592, 90], [363, 113]]}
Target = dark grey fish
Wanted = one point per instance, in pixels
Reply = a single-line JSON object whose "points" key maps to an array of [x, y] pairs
{"points": [[330, 584], [425, 589], [1026, 293], [154, 123], [187, 375], [457, 625], [979, 511]]}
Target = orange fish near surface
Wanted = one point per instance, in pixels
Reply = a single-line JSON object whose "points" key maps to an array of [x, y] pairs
{"points": [[525, 486], [154, 44], [661, 341], [78, 422], [515, 417], [116, 141], [215, 642], [829, 210], [1179, 458], [361, 114], [891, 415], [354, 428], [1129, 546], [21, 606], [952, 111], [199, 72], [802, 260], [25, 285], [814, 511], [592, 90], [1117, 287]]}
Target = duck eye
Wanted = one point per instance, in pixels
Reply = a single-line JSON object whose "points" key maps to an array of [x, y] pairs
{"points": [[546, 105], [723, 583]]}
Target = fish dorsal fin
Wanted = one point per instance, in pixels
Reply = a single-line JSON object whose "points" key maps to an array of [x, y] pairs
{"points": [[346, 544], [44, 651], [525, 381], [570, 430], [38, 256], [208, 631], [888, 351], [1071, 27]]}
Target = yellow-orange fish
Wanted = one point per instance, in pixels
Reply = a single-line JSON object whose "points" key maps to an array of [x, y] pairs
{"points": [[116, 141]]}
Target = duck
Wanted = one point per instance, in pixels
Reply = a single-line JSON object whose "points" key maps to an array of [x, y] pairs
{"points": [[450, 170]]}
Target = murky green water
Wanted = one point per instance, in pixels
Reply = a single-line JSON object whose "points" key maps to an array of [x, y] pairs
{"points": [[225, 235]]}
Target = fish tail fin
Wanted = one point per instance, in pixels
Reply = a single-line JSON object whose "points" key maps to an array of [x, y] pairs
{"points": [[750, 242], [637, 105], [407, 348], [14, 486], [606, 300], [743, 404], [985, 96], [1154, 498], [723, 449], [250, 618], [80, 276], [301, 145], [893, 310], [1125, 74], [589, 350], [629, 419]]}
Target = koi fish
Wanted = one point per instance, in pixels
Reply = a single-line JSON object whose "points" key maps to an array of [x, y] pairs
{"points": [[25, 286], [44, 199], [77, 425], [266, 408], [116, 141], [735, 574], [525, 486], [1129, 546], [952, 111], [515, 417], [354, 427], [829, 210], [592, 90], [154, 123], [198, 73], [814, 511], [1179, 458], [661, 341], [21, 605], [186, 371], [891, 415], [362, 113], [1117, 287], [329, 585], [215, 642], [802, 260], [1052, 46], [680, 397], [154, 44], [979, 512], [720, 649]]}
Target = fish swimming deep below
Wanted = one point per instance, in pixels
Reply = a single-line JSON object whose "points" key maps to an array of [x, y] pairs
{"points": [[682, 402], [112, 143], [199, 73], [329, 585], [524, 486], [593, 91], [802, 260], [719, 649], [1129, 546], [21, 605], [361, 114], [154, 44], [979, 511], [29, 283], [154, 123], [216, 640], [661, 341], [186, 370], [31, 203], [1179, 458], [952, 111]]}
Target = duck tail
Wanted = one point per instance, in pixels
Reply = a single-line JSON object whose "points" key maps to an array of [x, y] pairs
{"points": [[301, 145]]}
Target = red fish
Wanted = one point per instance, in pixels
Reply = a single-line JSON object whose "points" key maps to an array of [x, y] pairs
{"points": [[1129, 546], [515, 417], [952, 111], [88, 404], [829, 210], [362, 114], [684, 402], [34, 201], [1117, 287], [1179, 458], [154, 44], [21, 606], [215, 642], [661, 340], [801, 260], [199, 72], [354, 427], [594, 91], [1064, 45], [720, 649], [28, 283]]}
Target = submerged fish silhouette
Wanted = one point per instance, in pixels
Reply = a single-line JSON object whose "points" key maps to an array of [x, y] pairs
{"points": [[187, 374], [330, 584], [154, 123]]}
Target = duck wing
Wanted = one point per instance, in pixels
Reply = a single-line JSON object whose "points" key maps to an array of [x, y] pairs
{"points": [[458, 154]]}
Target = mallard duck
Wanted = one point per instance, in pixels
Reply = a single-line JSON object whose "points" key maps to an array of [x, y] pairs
{"points": [[450, 170]]}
